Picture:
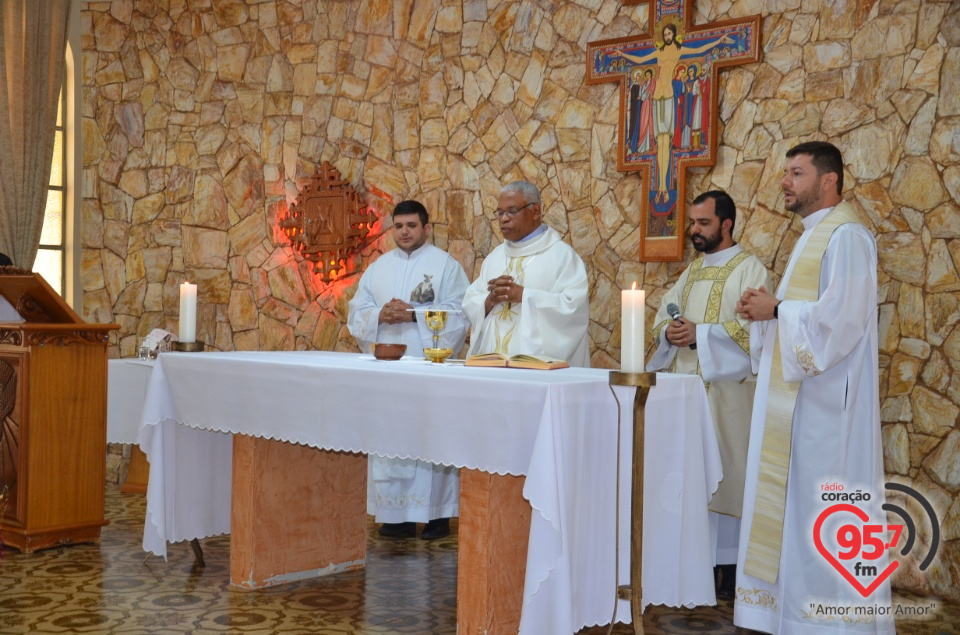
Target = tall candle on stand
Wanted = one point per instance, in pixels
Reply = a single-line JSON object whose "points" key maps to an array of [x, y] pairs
{"points": [[631, 329], [188, 312]]}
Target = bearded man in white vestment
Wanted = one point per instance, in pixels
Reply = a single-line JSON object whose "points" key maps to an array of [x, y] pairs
{"points": [[711, 340], [531, 296], [816, 419], [403, 492]]}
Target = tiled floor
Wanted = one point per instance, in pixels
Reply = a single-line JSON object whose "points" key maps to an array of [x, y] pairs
{"points": [[407, 587]]}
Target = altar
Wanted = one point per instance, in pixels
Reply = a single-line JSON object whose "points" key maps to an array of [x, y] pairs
{"points": [[550, 434]]}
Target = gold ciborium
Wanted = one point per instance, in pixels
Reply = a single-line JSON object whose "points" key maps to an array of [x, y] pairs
{"points": [[436, 322]]}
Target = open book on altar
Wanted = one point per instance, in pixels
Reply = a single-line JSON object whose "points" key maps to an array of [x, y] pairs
{"points": [[537, 362]]}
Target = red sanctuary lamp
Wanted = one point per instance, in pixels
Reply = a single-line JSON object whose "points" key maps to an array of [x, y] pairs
{"points": [[329, 225]]}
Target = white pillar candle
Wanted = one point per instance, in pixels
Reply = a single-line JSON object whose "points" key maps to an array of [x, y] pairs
{"points": [[188, 312], [631, 329]]}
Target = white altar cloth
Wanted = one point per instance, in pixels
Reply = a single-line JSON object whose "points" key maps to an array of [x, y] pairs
{"points": [[127, 381], [555, 427]]}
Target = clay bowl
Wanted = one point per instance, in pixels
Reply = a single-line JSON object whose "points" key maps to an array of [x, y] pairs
{"points": [[389, 351]]}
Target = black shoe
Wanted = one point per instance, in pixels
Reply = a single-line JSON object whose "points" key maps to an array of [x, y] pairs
{"points": [[398, 530], [436, 529], [725, 576]]}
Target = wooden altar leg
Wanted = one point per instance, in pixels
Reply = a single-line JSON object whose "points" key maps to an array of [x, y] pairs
{"points": [[298, 512], [492, 560], [138, 473]]}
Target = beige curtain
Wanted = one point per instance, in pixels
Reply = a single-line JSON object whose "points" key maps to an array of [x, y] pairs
{"points": [[33, 39]]}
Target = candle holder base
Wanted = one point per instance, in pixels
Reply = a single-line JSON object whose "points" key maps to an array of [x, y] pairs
{"points": [[640, 380], [188, 347]]}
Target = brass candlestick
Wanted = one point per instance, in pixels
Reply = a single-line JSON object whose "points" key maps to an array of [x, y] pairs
{"points": [[633, 591]]}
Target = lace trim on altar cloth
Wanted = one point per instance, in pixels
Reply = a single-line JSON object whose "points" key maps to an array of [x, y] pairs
{"points": [[464, 465]]}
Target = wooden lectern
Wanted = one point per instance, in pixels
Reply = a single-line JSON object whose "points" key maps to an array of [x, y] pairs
{"points": [[53, 417]]}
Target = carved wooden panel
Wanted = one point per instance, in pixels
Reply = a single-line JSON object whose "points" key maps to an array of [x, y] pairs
{"points": [[64, 338], [31, 310], [328, 224], [10, 436], [12, 337]]}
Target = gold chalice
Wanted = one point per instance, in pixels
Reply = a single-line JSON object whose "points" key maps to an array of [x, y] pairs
{"points": [[436, 321]]}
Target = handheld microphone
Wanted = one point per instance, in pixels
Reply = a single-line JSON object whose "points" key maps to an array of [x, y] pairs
{"points": [[674, 312]]}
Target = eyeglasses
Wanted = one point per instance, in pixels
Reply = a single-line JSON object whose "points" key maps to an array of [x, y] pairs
{"points": [[510, 212]]}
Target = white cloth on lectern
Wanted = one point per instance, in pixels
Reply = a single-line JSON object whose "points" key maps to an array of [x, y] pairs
{"points": [[405, 489]]}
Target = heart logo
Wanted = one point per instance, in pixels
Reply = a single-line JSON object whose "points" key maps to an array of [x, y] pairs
{"points": [[862, 515]]}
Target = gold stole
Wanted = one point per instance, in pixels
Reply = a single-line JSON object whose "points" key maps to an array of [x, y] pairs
{"points": [[766, 531]]}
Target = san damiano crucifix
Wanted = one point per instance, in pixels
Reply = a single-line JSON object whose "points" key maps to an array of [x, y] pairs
{"points": [[668, 107]]}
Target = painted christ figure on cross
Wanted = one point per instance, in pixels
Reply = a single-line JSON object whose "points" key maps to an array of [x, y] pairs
{"points": [[682, 62], [666, 56]]}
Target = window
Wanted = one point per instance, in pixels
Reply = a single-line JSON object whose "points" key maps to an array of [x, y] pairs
{"points": [[51, 258]]}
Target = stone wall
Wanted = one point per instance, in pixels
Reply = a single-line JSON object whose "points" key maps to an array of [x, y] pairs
{"points": [[201, 117]]}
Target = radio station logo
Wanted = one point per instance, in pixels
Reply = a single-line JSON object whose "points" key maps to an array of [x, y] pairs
{"points": [[858, 544]]}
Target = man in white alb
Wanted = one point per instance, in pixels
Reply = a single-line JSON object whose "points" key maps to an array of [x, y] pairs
{"points": [[403, 492], [711, 340], [531, 296], [816, 421]]}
